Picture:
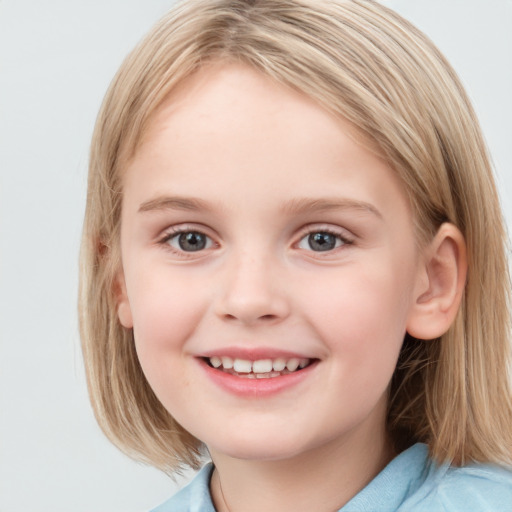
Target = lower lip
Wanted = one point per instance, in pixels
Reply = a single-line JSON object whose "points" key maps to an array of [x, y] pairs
{"points": [[245, 387]]}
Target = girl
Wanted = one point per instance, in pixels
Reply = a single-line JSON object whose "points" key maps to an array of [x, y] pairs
{"points": [[294, 261]]}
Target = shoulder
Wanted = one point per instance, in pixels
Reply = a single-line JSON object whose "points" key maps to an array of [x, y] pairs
{"points": [[472, 488], [412, 482], [195, 497]]}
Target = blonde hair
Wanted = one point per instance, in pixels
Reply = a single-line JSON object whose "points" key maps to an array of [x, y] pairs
{"points": [[364, 63]]}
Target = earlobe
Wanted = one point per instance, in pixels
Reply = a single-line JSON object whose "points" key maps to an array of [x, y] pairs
{"points": [[440, 284], [124, 312]]}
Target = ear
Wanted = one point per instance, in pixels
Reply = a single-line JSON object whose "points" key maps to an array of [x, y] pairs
{"points": [[124, 312], [440, 284]]}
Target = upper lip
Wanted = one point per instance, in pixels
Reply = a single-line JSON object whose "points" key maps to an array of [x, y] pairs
{"points": [[254, 353]]}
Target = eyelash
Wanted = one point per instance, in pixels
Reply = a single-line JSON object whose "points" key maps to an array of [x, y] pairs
{"points": [[176, 232], [173, 233], [343, 238]]}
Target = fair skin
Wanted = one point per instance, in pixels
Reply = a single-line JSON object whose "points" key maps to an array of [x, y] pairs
{"points": [[255, 227]]}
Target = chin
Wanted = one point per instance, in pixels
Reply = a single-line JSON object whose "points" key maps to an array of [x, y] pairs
{"points": [[267, 448]]}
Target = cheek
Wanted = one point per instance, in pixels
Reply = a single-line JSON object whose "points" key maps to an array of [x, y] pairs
{"points": [[362, 319], [165, 312]]}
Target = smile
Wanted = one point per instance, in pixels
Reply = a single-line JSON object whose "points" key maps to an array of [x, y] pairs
{"points": [[257, 373], [259, 369]]}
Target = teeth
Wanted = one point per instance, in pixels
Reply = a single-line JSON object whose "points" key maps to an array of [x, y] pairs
{"points": [[227, 363], [262, 366], [260, 369], [267, 375], [292, 364], [216, 361], [279, 364], [242, 366]]}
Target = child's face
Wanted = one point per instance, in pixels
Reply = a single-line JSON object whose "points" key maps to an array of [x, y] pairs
{"points": [[254, 227]]}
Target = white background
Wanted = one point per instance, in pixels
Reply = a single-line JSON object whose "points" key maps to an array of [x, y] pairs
{"points": [[56, 60]]}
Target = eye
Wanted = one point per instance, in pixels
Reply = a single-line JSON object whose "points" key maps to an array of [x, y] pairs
{"points": [[189, 241], [321, 241]]}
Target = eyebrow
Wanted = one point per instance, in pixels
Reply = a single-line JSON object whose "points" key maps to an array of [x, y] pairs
{"points": [[291, 207], [174, 203], [306, 205]]}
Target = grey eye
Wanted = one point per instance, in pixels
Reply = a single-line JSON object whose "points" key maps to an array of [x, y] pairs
{"points": [[190, 241], [321, 241]]}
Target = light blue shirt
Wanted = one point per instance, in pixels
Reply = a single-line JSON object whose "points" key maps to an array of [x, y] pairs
{"points": [[409, 483]]}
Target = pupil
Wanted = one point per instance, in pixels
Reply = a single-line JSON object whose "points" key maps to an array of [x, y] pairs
{"points": [[322, 241], [192, 241]]}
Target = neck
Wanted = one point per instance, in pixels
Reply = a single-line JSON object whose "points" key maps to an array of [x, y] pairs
{"points": [[322, 479]]}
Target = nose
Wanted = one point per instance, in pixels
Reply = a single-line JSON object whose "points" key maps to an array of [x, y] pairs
{"points": [[252, 291]]}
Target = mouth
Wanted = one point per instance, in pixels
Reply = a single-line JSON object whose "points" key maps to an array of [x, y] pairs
{"points": [[260, 368], [255, 374]]}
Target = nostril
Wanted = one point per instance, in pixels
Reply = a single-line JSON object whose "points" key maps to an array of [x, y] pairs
{"points": [[256, 307], [264, 318]]}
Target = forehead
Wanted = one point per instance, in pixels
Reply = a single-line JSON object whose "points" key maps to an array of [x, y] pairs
{"points": [[230, 126], [229, 94]]}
